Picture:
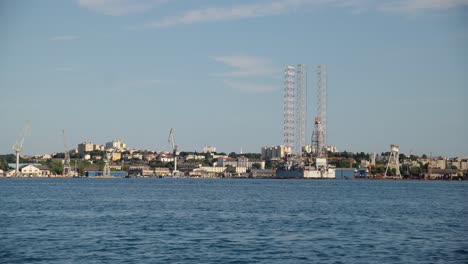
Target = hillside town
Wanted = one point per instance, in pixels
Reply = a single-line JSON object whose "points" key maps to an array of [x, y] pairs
{"points": [[93, 160]]}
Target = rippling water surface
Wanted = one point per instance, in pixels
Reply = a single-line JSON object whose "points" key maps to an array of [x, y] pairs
{"points": [[232, 221]]}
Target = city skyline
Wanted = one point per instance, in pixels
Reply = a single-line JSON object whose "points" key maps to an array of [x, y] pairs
{"points": [[213, 70]]}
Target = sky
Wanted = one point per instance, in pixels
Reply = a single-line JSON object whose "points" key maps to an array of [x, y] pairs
{"points": [[213, 71]]}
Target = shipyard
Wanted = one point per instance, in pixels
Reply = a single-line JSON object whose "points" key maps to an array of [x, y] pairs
{"points": [[295, 158]]}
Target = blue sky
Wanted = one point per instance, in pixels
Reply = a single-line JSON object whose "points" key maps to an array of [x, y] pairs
{"points": [[131, 70]]}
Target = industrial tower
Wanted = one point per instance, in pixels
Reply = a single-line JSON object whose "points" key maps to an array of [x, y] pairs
{"points": [[393, 160], [301, 107], [295, 107], [288, 111], [319, 136]]}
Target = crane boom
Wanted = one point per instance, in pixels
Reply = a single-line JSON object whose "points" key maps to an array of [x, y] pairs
{"points": [[18, 146], [171, 140], [66, 162]]}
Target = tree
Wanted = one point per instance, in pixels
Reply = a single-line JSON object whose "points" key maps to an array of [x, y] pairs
{"points": [[231, 169], [233, 155], [56, 167], [256, 166], [415, 170]]}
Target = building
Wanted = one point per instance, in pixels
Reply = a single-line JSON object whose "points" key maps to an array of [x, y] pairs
{"points": [[85, 147], [194, 157], [207, 172], [277, 152], [209, 149], [88, 147], [166, 158], [332, 149], [116, 144], [34, 171], [240, 162], [116, 156]]}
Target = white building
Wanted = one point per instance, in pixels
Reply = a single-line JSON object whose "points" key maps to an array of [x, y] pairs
{"points": [[194, 157], [209, 149], [240, 162], [116, 144], [34, 171], [85, 147], [166, 158]]}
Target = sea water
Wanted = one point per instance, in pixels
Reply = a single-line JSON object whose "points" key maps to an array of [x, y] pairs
{"points": [[232, 221]]}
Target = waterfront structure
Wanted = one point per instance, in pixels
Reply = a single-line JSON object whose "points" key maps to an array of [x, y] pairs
{"points": [[30, 170], [240, 162], [295, 107], [207, 172], [275, 152], [393, 161]]}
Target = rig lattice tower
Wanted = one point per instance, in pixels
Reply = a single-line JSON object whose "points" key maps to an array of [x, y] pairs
{"points": [[393, 161], [322, 98], [301, 108], [319, 136], [289, 107]]}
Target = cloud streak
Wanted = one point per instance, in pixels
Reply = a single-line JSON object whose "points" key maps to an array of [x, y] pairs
{"points": [[64, 38], [276, 7], [246, 67], [213, 14], [417, 6]]}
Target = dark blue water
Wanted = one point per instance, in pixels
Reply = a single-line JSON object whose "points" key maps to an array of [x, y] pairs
{"points": [[232, 221]]}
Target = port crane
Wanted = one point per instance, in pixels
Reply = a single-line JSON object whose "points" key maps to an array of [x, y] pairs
{"points": [[175, 149], [18, 146], [107, 158], [66, 162]]}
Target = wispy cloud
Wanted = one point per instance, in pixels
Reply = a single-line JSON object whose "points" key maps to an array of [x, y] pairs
{"points": [[246, 66], [276, 7], [119, 7], [213, 14], [244, 70], [417, 6], [64, 38], [249, 87]]}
